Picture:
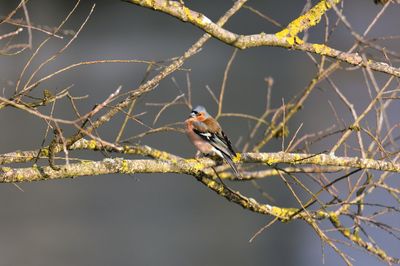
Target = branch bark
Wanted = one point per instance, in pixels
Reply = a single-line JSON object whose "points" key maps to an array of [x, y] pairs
{"points": [[286, 38], [165, 163]]}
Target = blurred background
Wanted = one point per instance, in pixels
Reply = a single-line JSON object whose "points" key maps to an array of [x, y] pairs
{"points": [[167, 219]]}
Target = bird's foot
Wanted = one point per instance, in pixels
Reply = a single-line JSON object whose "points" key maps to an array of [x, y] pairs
{"points": [[198, 155]]}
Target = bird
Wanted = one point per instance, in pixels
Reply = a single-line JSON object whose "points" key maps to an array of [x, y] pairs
{"points": [[207, 136]]}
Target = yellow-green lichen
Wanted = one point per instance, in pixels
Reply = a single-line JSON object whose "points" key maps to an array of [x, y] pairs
{"points": [[283, 213], [127, 149], [6, 169], [377, 251], [225, 175], [196, 165], [174, 3], [124, 168], [149, 3], [86, 162], [161, 155], [282, 34], [92, 144], [191, 16], [328, 4], [309, 19], [355, 128], [187, 13], [298, 40], [203, 20], [215, 186], [19, 177], [237, 158], [346, 232], [19, 154], [211, 184], [323, 214], [321, 49], [334, 218], [271, 160], [296, 158], [283, 132], [356, 235], [291, 40], [44, 152]]}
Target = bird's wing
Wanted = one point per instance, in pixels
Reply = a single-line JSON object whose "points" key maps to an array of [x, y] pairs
{"points": [[227, 142], [217, 139]]}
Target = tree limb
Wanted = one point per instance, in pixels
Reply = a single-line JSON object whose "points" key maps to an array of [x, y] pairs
{"points": [[286, 38]]}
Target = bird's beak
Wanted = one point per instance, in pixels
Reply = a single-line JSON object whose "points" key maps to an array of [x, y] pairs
{"points": [[192, 114]]}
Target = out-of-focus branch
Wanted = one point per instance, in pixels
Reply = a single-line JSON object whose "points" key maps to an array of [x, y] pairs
{"points": [[294, 107], [287, 38], [152, 83], [10, 34], [370, 247]]}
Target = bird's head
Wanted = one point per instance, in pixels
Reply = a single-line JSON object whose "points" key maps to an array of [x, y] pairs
{"points": [[200, 113]]}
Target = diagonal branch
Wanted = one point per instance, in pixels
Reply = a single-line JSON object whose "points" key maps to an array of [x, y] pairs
{"points": [[287, 38], [152, 83]]}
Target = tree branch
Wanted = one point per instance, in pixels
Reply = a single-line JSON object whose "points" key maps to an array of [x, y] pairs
{"points": [[165, 162], [185, 166], [287, 38]]}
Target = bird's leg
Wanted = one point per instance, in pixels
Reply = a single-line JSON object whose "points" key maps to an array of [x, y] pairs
{"points": [[218, 160], [198, 155]]}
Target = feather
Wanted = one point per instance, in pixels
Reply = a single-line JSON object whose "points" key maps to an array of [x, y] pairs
{"points": [[228, 143], [228, 159], [222, 147], [211, 133]]}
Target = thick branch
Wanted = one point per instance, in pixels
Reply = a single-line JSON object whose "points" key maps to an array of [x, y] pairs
{"points": [[122, 166], [199, 168], [286, 38], [201, 164], [319, 159]]}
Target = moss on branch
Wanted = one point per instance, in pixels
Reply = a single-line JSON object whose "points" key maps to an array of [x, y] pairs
{"points": [[311, 18], [286, 38], [324, 160], [355, 238], [164, 162], [123, 166]]}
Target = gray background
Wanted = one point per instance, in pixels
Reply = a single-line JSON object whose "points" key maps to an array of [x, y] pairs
{"points": [[165, 219]]}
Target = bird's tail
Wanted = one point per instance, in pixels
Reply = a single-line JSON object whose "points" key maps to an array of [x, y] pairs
{"points": [[229, 160]]}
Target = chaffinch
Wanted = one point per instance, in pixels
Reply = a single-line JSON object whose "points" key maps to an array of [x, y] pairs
{"points": [[207, 136]]}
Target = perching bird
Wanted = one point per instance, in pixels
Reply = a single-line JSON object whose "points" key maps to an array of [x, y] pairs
{"points": [[207, 136]]}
